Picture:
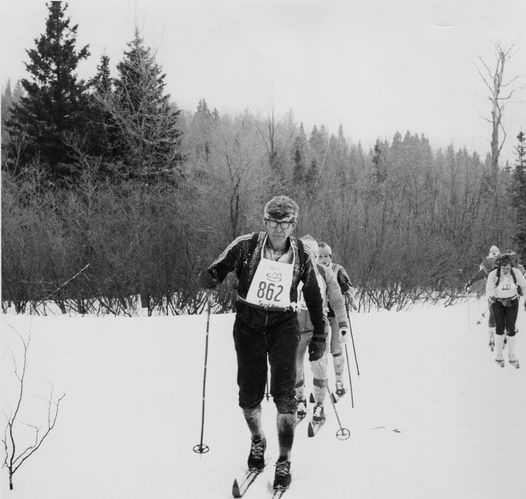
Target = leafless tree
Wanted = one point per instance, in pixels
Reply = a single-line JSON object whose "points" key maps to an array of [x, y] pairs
{"points": [[500, 93], [15, 453]]}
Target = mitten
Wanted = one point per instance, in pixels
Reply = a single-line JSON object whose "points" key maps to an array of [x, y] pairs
{"points": [[316, 348], [207, 280]]}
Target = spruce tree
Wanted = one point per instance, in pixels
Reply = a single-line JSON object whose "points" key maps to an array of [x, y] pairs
{"points": [[518, 192], [148, 123], [54, 102]]}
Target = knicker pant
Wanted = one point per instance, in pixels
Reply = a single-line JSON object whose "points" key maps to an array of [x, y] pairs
{"points": [[258, 335]]}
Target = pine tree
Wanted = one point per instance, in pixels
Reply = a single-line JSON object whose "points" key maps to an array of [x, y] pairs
{"points": [[149, 130], [54, 102], [103, 129], [518, 192]]}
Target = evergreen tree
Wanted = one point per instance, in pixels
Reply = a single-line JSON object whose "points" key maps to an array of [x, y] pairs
{"points": [[54, 102], [518, 191], [149, 131], [104, 130]]}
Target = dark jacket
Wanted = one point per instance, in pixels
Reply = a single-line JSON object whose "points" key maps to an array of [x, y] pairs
{"points": [[243, 256]]}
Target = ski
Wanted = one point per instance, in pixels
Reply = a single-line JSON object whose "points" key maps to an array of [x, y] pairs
{"points": [[278, 492], [335, 398], [299, 419], [239, 489], [314, 427]]}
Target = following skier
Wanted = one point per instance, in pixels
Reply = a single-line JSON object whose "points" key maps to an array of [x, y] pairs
{"points": [[331, 294], [502, 289]]}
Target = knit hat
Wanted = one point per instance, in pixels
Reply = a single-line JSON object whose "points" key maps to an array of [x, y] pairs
{"points": [[311, 244], [282, 208], [494, 251]]}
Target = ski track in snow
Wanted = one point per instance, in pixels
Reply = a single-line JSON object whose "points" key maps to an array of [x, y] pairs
{"points": [[434, 416]]}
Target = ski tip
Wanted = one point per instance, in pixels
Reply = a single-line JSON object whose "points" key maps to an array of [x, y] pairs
{"points": [[310, 430], [235, 489], [311, 399]]}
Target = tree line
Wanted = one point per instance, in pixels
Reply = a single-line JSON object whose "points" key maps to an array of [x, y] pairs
{"points": [[109, 181]]}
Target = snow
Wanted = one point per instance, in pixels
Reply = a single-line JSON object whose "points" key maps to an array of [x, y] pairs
{"points": [[434, 416]]}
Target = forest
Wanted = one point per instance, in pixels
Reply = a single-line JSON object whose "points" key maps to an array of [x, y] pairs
{"points": [[113, 198]]}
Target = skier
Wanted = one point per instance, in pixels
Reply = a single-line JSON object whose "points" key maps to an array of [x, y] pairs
{"points": [[337, 337], [331, 294], [485, 267], [269, 266], [502, 289]]}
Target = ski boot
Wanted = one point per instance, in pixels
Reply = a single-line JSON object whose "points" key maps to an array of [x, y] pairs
{"points": [[256, 458], [340, 389], [500, 362], [318, 415], [514, 361], [282, 474], [301, 411]]}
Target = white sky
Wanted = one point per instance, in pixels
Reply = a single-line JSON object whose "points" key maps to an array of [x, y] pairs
{"points": [[373, 66]]}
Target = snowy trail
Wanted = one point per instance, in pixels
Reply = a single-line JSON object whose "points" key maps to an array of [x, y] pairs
{"points": [[132, 411]]}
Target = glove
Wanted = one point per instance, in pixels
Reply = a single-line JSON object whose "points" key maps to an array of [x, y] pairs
{"points": [[491, 300], [207, 280], [467, 287], [316, 348]]}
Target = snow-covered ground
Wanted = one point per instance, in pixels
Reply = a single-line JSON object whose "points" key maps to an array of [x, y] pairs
{"points": [[434, 416]]}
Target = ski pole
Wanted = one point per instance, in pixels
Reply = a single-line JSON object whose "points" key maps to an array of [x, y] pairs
{"points": [[201, 448], [352, 339], [342, 433], [349, 372], [483, 315]]}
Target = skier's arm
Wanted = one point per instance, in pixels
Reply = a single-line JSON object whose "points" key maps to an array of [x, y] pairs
{"points": [[226, 262], [521, 282], [336, 299], [313, 298], [481, 274], [490, 286]]}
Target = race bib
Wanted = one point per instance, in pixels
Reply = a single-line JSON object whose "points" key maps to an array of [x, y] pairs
{"points": [[271, 284]]}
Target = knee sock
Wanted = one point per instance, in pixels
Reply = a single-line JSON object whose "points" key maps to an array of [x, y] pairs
{"points": [[253, 419], [499, 343], [511, 347], [285, 424]]}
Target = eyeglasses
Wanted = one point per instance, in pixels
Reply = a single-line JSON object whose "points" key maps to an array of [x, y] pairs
{"points": [[274, 223]]}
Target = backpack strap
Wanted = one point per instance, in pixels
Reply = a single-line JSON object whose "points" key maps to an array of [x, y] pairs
{"points": [[302, 255], [512, 275]]}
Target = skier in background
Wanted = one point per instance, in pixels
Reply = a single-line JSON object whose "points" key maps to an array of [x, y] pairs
{"points": [[485, 267], [502, 291], [337, 338], [332, 295], [269, 266]]}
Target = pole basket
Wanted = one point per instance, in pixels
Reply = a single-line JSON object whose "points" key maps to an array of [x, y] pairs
{"points": [[343, 434], [201, 448]]}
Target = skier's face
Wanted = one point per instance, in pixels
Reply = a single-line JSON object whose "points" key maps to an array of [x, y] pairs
{"points": [[506, 269], [325, 256], [279, 231]]}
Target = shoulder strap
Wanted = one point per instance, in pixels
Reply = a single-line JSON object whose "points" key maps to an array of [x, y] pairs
{"points": [[301, 254], [498, 277]]}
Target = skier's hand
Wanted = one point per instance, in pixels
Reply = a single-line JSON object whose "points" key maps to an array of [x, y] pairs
{"points": [[316, 348], [491, 300], [467, 287], [344, 334], [207, 280]]}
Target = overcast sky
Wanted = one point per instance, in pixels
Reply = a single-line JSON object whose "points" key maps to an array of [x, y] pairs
{"points": [[373, 66]]}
